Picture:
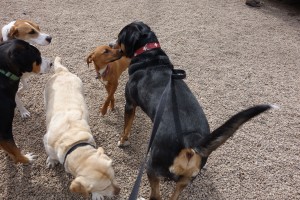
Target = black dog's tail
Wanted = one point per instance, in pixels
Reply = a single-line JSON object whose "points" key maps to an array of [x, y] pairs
{"points": [[221, 134]]}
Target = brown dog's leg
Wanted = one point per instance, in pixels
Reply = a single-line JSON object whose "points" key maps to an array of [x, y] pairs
{"points": [[180, 185], [154, 184], [129, 116], [111, 89], [112, 99], [14, 152]]}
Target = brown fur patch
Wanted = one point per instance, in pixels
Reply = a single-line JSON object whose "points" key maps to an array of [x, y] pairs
{"points": [[23, 29], [36, 68]]}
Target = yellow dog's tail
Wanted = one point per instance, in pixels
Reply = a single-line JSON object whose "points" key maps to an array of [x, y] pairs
{"points": [[58, 67]]}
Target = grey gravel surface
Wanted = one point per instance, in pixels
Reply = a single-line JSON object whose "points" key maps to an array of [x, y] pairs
{"points": [[235, 56]]}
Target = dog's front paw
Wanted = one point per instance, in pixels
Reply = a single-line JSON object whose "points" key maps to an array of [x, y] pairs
{"points": [[31, 157], [24, 113], [97, 196], [51, 162], [124, 144]]}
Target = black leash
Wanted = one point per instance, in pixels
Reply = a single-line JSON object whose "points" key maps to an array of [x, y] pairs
{"points": [[177, 74]]}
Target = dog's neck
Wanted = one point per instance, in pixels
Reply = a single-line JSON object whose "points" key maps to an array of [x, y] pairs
{"points": [[9, 75], [6, 29], [103, 72], [146, 47], [70, 165]]}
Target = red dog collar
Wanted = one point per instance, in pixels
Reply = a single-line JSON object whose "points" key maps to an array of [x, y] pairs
{"points": [[147, 47]]}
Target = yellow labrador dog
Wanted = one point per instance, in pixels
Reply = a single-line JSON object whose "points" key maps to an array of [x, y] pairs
{"points": [[69, 141]]}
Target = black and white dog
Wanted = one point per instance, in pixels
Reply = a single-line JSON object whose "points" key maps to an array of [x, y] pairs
{"points": [[16, 58], [183, 139]]}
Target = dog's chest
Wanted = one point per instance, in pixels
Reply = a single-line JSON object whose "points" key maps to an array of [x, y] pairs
{"points": [[103, 81]]}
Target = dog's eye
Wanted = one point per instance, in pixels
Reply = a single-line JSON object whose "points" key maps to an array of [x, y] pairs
{"points": [[32, 32], [106, 51]]}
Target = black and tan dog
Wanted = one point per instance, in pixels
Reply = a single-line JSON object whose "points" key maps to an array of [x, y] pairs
{"points": [[16, 57], [183, 139]]}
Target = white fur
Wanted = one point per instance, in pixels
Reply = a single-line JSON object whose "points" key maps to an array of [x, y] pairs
{"points": [[6, 29], [45, 68]]}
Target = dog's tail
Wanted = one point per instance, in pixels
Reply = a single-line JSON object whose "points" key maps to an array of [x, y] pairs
{"points": [[58, 67], [221, 134], [90, 58]]}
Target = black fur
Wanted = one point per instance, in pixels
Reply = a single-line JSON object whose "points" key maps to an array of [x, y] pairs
{"points": [[17, 57], [183, 123]]}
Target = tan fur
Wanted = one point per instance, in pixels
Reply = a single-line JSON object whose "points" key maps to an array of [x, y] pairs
{"points": [[186, 163], [22, 29], [67, 125], [101, 57]]}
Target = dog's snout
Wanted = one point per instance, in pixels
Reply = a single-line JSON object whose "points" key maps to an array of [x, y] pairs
{"points": [[48, 39], [121, 52]]}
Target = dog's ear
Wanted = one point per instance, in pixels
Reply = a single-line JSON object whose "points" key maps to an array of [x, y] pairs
{"points": [[78, 186], [90, 58], [13, 32]]}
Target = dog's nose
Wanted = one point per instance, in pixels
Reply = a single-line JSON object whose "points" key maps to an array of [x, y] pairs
{"points": [[51, 64], [48, 39]]}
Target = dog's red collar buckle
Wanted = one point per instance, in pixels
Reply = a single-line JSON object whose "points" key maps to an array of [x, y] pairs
{"points": [[147, 47]]}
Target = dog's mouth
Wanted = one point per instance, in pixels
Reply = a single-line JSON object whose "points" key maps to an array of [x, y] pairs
{"points": [[115, 59]]}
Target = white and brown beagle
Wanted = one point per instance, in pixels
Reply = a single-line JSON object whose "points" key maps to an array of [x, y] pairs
{"points": [[25, 30], [29, 32]]}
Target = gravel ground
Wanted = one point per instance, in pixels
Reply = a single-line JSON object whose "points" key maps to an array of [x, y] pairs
{"points": [[235, 56]]}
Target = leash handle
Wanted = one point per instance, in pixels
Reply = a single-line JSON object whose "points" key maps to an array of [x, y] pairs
{"points": [[177, 74]]}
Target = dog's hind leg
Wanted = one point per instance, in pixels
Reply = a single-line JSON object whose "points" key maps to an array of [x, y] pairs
{"points": [[129, 116], [180, 185], [14, 152], [154, 184], [110, 100]]}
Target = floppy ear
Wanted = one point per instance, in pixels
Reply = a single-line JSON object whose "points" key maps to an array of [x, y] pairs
{"points": [[33, 24], [13, 32], [77, 186], [90, 58]]}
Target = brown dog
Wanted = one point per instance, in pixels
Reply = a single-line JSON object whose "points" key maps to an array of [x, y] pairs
{"points": [[109, 68]]}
